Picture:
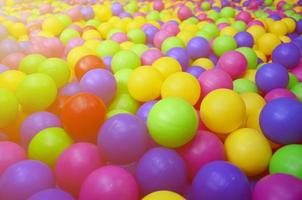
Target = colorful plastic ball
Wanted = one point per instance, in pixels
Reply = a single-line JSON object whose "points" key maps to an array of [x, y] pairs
{"points": [[171, 42], [244, 39], [108, 48], [150, 33], [27, 177], [286, 161], [122, 78], [144, 110], [244, 85], [160, 36], [227, 12], [278, 28], [163, 194], [75, 164], [122, 185], [278, 187], [223, 44], [203, 149], [123, 138], [271, 76], [198, 47], [205, 63], [145, 83], [11, 79], [234, 63], [184, 13], [211, 29], [86, 64], [30, 63], [164, 113], [125, 59], [297, 90], [137, 36], [99, 82], [8, 46], [244, 16], [187, 87], [293, 80], [279, 93], [150, 56], [139, 49], [161, 169], [49, 194], [171, 27], [250, 56], [32, 88], [167, 66], [280, 121], [214, 79], [267, 43], [253, 102], [68, 34], [181, 55], [70, 89], [117, 8], [48, 144], [12, 60], [196, 71], [124, 102], [52, 25], [119, 37], [9, 107], [287, 54], [220, 180], [222, 111]]}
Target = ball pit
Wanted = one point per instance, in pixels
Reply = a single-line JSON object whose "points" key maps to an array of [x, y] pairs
{"points": [[160, 100]]}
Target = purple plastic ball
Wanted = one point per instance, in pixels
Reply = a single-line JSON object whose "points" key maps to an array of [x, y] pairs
{"points": [[198, 47], [71, 89], [87, 13], [287, 54], [244, 39], [220, 180], [271, 76], [195, 70], [150, 33], [161, 169], [181, 55], [280, 120], [3, 68], [117, 8], [51, 194], [144, 110], [123, 138]]}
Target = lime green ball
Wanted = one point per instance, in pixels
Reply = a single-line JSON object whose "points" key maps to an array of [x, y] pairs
{"points": [[211, 29], [296, 16], [205, 35], [268, 2], [116, 112], [250, 56], [244, 85], [297, 90], [48, 145], [131, 7], [227, 12], [139, 49], [9, 107], [30, 63], [222, 20], [223, 44], [239, 26], [287, 160], [65, 19], [107, 48], [36, 92], [124, 102], [93, 22], [68, 34], [137, 36], [172, 122], [289, 12], [206, 5], [125, 59], [122, 78], [287, 6], [57, 69], [153, 15], [213, 15], [191, 20], [293, 80], [170, 43]]}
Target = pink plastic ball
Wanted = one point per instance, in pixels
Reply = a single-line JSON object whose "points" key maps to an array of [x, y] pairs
{"points": [[234, 63], [158, 5], [298, 72], [75, 164], [13, 60], [171, 28], [184, 13], [244, 16], [75, 42], [54, 46], [109, 183], [279, 93], [160, 37], [75, 14], [151, 55], [214, 79], [255, 22], [10, 153], [119, 37]]}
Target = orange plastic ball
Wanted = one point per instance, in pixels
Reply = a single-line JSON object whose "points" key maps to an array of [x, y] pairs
{"points": [[87, 63]]}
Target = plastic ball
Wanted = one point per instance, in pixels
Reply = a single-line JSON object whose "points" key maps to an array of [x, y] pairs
{"points": [[205, 63], [253, 102], [271, 76], [278, 28], [244, 39], [222, 111], [164, 113], [150, 56], [124, 102], [163, 165], [286, 161], [163, 194], [167, 66], [125, 59], [293, 80], [11, 79], [30, 63], [86, 64], [196, 71], [108, 48], [137, 36], [12, 60], [145, 83], [122, 78], [280, 121], [52, 25], [198, 47], [234, 63], [139, 49], [279, 93], [187, 87], [211, 29], [51, 194], [207, 184], [181, 55], [287, 54], [27, 177], [227, 12], [297, 90], [68, 34], [244, 85], [171, 42], [184, 13], [267, 43], [122, 185], [75, 164], [144, 110], [223, 44], [250, 56]]}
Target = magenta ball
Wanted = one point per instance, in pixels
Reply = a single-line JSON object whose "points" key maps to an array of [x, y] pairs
{"points": [[10, 153], [297, 71], [25, 178], [244, 16], [123, 138], [51, 194], [158, 5], [160, 37], [233, 63], [119, 37], [278, 187], [279, 93], [184, 13], [151, 55], [35, 123], [99, 82], [204, 148], [214, 79], [122, 185], [75, 164], [171, 28], [198, 47]]}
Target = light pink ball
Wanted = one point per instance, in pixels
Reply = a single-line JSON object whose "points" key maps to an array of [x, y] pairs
{"points": [[119, 37], [13, 60], [234, 63], [184, 13], [279, 93], [171, 28], [151, 55], [160, 37]]}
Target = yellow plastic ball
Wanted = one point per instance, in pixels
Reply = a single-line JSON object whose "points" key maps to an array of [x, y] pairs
{"points": [[126, 45], [182, 85], [204, 63], [252, 101], [52, 25], [185, 36], [103, 13], [145, 83], [91, 34], [228, 31], [104, 29], [285, 39], [92, 44], [290, 23], [250, 74], [249, 150], [167, 66], [261, 55], [278, 28], [163, 195], [222, 111], [18, 30], [11, 79], [9, 107], [256, 31], [253, 120], [267, 43]]}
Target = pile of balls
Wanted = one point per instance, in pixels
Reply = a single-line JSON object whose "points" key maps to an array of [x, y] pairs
{"points": [[152, 100]]}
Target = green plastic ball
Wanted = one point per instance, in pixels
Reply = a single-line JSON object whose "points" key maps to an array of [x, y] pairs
{"points": [[213, 15], [297, 90], [122, 78], [107, 48], [93, 22], [239, 26], [170, 43], [227, 12], [293, 80], [30, 63], [139, 49], [244, 85], [211, 29], [68, 34], [137, 36], [224, 43], [250, 56], [125, 59], [124, 102], [206, 5], [205, 35]]}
